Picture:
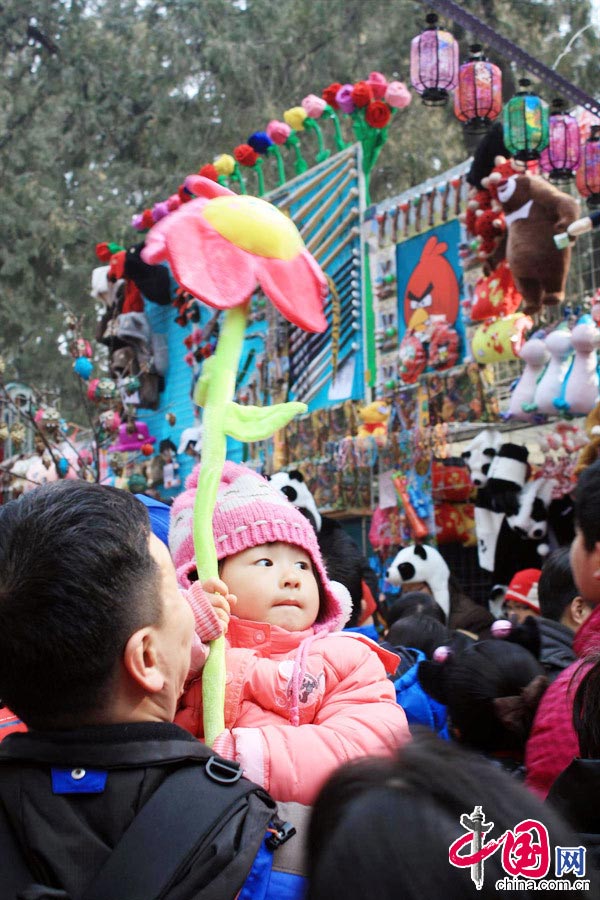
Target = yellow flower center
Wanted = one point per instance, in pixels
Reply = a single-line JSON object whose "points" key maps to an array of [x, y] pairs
{"points": [[254, 225]]}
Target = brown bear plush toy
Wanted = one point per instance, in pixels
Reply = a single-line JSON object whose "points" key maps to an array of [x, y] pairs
{"points": [[535, 211]]}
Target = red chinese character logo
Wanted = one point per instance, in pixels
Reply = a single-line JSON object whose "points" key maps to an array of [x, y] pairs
{"points": [[522, 854]]}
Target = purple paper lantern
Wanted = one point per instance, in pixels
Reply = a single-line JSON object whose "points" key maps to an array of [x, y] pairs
{"points": [[561, 156], [588, 173], [434, 63], [478, 99]]}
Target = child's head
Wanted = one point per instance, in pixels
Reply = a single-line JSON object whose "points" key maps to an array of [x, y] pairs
{"points": [[421, 632], [491, 689], [268, 553], [521, 598], [585, 550], [558, 594]]}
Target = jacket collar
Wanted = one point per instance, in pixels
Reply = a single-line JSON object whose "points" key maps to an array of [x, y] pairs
{"points": [[106, 746], [588, 636], [263, 637]]}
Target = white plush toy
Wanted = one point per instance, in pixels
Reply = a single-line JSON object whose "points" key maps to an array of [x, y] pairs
{"points": [[580, 392], [535, 355], [560, 347]]}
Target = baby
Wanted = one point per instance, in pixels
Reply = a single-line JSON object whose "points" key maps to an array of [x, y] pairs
{"points": [[301, 697]]}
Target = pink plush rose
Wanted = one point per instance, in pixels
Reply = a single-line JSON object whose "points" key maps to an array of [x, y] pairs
{"points": [[344, 100], [397, 95], [378, 84], [313, 106], [279, 132]]}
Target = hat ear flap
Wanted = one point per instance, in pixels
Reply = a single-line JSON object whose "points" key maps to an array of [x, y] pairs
{"points": [[296, 475], [433, 679], [420, 551]]}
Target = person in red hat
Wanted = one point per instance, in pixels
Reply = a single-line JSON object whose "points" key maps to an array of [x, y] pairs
{"points": [[521, 598]]}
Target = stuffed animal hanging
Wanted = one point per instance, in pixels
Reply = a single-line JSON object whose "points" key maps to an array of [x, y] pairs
{"points": [[534, 212], [535, 355], [479, 455], [581, 386], [559, 345]]}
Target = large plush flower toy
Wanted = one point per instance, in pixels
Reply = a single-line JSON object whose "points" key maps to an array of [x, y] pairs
{"points": [[221, 247]]}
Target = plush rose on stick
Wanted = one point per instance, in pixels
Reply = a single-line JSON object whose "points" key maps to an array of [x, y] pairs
{"points": [[221, 247]]}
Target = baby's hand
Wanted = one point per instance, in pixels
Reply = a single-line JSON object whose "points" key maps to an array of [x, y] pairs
{"points": [[220, 598]]}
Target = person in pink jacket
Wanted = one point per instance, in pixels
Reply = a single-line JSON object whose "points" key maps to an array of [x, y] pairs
{"points": [[301, 696], [553, 743]]}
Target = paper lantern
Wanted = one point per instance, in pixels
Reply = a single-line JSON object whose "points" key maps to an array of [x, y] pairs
{"points": [[434, 63], [478, 99], [588, 173], [561, 156], [526, 123]]}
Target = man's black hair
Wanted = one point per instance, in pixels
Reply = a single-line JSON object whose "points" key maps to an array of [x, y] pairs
{"points": [[76, 580], [587, 504], [556, 587]]}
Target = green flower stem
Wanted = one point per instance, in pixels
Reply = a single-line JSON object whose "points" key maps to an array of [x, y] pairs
{"points": [[223, 181], [359, 126], [330, 113], [276, 152], [323, 154], [372, 142], [258, 168], [239, 178], [220, 387], [300, 165]]}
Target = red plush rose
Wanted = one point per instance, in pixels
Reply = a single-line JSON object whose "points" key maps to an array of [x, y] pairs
{"points": [[362, 94], [209, 171], [183, 194], [329, 93], [245, 155], [377, 114], [147, 219], [102, 252]]}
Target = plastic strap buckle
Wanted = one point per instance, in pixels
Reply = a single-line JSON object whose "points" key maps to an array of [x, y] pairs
{"points": [[280, 832], [223, 771]]}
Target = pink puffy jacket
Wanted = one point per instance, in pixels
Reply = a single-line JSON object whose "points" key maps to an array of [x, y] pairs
{"points": [[347, 706], [553, 743]]}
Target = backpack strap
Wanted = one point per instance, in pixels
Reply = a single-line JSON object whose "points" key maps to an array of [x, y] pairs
{"points": [[184, 810]]}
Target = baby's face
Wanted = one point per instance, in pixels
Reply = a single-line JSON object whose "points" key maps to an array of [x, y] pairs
{"points": [[274, 583]]}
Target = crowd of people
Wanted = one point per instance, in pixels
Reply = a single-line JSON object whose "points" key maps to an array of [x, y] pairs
{"points": [[427, 762]]}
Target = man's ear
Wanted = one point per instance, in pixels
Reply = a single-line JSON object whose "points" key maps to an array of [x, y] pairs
{"points": [[141, 661], [579, 610]]}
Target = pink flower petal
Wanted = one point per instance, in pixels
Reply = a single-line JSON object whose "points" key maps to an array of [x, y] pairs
{"points": [[155, 247], [207, 265], [206, 187], [297, 288]]}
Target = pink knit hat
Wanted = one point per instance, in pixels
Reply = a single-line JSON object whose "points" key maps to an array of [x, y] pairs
{"points": [[249, 512]]}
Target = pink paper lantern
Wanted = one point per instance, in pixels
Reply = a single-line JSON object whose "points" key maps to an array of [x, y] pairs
{"points": [[563, 153], [478, 98], [434, 63], [588, 173]]}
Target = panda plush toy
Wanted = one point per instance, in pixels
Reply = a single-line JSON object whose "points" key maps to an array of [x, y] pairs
{"points": [[417, 564], [480, 453], [420, 564], [343, 558]]}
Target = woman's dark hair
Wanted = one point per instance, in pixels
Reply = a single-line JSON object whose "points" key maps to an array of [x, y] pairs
{"points": [[491, 689], [556, 587], [421, 632], [76, 580], [586, 711], [382, 828], [413, 603]]}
